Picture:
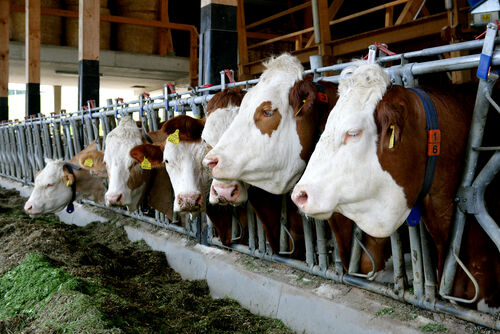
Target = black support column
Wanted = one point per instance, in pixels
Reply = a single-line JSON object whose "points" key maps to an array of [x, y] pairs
{"points": [[88, 52], [32, 57], [220, 38], [4, 59]]}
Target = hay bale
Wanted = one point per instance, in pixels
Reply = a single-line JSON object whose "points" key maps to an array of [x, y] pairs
{"points": [[137, 39], [50, 26], [71, 31]]}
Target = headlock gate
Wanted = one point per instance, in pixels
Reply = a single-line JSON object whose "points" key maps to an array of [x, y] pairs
{"points": [[25, 144]]}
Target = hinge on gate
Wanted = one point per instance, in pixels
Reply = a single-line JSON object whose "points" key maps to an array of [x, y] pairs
{"points": [[467, 199]]}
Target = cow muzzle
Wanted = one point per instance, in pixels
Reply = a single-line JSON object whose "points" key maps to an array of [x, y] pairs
{"points": [[210, 162], [31, 210], [308, 203], [226, 193], [114, 199], [190, 202]]}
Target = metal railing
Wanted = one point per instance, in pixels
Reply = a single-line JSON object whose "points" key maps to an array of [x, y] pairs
{"points": [[25, 144]]}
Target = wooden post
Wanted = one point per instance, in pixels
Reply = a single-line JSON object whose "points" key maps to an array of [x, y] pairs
{"points": [[57, 98], [88, 52], [389, 16], [32, 57], [325, 49], [4, 59], [166, 44], [242, 42]]}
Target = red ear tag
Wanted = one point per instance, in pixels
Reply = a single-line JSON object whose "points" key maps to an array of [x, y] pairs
{"points": [[433, 142], [323, 97]]}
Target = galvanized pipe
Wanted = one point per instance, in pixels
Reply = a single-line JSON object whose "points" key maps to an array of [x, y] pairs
{"points": [[416, 261], [308, 238], [321, 242], [315, 14]]}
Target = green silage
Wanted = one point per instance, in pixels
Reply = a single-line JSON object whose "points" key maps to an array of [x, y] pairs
{"points": [[28, 287]]}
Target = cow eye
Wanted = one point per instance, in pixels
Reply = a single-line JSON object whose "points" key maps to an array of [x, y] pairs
{"points": [[352, 135], [165, 161], [49, 185], [268, 113]]}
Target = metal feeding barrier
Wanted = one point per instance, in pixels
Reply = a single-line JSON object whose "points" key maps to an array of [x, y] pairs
{"points": [[25, 144]]}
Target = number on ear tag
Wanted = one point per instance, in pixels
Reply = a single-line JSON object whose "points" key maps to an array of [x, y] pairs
{"points": [[174, 137], [88, 162], [391, 140], [145, 164]]}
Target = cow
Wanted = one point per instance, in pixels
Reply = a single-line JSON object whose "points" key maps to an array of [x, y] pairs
{"points": [[271, 139], [370, 161], [58, 184], [129, 184], [181, 155]]}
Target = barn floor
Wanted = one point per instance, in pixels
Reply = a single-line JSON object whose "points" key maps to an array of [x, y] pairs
{"points": [[93, 279], [140, 300]]}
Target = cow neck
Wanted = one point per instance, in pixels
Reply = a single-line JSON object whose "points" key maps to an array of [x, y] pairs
{"points": [[71, 208], [433, 150]]}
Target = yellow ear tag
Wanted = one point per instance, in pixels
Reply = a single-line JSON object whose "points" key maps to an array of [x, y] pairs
{"points": [[174, 137], [145, 164], [88, 162], [67, 183], [197, 116], [391, 140], [298, 111]]}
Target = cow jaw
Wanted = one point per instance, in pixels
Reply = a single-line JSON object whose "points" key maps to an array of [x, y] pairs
{"points": [[189, 179], [344, 174], [261, 146], [50, 194]]}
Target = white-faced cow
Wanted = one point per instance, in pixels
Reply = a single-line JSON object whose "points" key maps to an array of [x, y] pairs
{"points": [[181, 155], [130, 185], [370, 163], [58, 184], [270, 141]]}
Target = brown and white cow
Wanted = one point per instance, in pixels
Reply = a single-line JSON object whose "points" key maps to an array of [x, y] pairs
{"points": [[53, 186], [181, 155], [129, 185], [269, 143], [220, 113], [370, 162]]}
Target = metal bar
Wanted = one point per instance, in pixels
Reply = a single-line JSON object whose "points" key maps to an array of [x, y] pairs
{"points": [[476, 131], [355, 250], [69, 141], [321, 242], [57, 139], [308, 237], [416, 261], [251, 228], [398, 261], [261, 236], [429, 277]]}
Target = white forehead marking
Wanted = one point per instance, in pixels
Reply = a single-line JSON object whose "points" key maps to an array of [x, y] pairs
{"points": [[217, 123], [121, 140], [52, 172]]}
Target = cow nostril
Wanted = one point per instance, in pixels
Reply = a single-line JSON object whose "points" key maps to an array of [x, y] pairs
{"points": [[211, 162], [215, 191], [198, 200], [119, 199], [301, 198], [28, 209], [235, 190]]}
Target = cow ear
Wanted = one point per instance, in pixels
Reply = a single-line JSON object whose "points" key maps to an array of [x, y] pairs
{"points": [[303, 96], [68, 178], [93, 161], [153, 153], [389, 120]]}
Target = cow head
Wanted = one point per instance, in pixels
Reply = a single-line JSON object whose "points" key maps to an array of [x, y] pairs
{"points": [[127, 181], [52, 191], [262, 146], [221, 111], [344, 173], [182, 154]]}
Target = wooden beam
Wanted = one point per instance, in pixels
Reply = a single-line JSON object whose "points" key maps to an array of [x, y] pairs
{"points": [[33, 41], [423, 27], [409, 11], [389, 16], [32, 57], [88, 30], [334, 8], [324, 28], [4, 59], [278, 15], [242, 41], [280, 38], [165, 35], [368, 11], [114, 19]]}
